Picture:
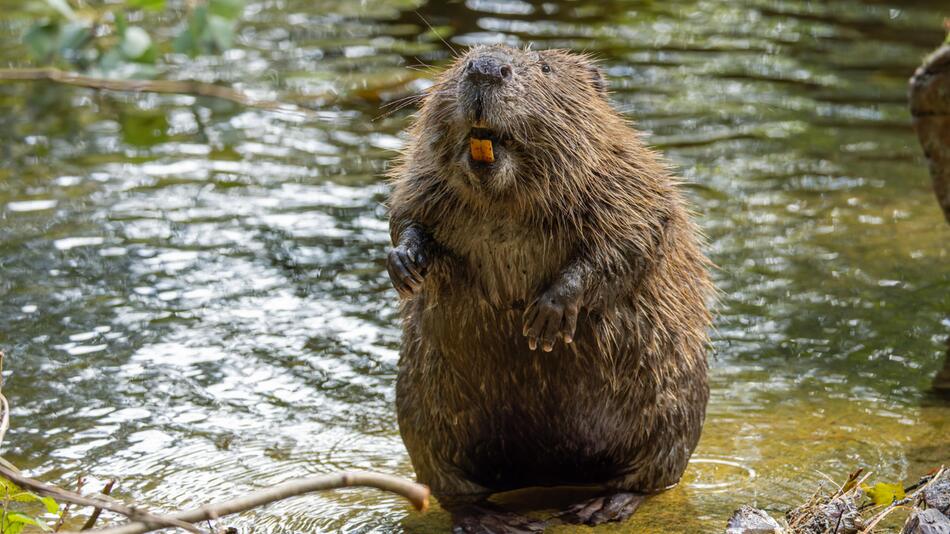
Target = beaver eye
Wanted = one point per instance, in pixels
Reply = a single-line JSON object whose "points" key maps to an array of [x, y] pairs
{"points": [[545, 68]]}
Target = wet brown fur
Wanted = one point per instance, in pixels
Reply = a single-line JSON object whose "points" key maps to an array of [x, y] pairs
{"points": [[624, 403]]}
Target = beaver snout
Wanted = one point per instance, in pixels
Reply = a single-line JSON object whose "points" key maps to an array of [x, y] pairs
{"points": [[488, 69]]}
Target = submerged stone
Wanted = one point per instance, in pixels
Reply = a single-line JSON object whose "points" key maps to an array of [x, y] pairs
{"points": [[749, 520]]}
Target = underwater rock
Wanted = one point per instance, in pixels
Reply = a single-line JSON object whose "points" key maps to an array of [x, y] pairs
{"points": [[749, 520]]}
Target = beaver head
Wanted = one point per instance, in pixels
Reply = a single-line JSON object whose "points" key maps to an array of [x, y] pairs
{"points": [[502, 119]]}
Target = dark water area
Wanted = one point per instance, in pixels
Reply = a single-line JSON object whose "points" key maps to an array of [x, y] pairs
{"points": [[194, 300]]}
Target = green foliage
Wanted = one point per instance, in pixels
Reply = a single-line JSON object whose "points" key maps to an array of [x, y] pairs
{"points": [[100, 38], [151, 5], [20, 509], [210, 28]]}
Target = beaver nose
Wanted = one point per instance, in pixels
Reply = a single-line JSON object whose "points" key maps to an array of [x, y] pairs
{"points": [[488, 69]]}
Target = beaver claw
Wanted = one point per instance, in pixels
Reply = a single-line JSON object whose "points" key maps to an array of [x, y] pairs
{"points": [[487, 520], [408, 262], [617, 507], [552, 315], [407, 265]]}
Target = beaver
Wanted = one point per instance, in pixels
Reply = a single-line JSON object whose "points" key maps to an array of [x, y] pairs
{"points": [[552, 291]]}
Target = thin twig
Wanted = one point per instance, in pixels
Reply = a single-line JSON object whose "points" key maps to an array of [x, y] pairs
{"points": [[65, 513], [417, 494], [182, 87], [91, 522], [59, 494], [883, 513]]}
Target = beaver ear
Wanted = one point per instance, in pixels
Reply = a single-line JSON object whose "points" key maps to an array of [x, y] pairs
{"points": [[598, 80]]}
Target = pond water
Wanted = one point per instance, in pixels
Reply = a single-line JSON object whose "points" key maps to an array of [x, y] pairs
{"points": [[193, 294]]}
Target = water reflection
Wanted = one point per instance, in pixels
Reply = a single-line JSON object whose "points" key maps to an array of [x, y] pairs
{"points": [[194, 297]]}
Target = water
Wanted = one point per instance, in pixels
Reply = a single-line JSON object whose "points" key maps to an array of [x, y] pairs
{"points": [[194, 297]]}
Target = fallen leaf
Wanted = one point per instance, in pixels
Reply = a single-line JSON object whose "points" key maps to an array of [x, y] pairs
{"points": [[884, 493]]}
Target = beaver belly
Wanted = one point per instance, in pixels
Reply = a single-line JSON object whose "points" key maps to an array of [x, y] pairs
{"points": [[529, 418], [539, 450]]}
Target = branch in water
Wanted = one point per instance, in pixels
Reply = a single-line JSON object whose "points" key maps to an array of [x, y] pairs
{"points": [[136, 514], [186, 87], [91, 522], [417, 494]]}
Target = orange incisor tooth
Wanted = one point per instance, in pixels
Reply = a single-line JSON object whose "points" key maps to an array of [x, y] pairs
{"points": [[475, 148], [487, 151], [481, 150]]}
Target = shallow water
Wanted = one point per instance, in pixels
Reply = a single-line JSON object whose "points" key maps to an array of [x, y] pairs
{"points": [[194, 297]]}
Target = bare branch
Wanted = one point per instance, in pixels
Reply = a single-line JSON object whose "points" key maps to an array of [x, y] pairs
{"points": [[136, 514], [65, 513], [417, 494], [186, 87], [91, 522]]}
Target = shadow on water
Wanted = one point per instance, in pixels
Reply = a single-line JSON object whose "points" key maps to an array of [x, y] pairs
{"points": [[194, 299]]}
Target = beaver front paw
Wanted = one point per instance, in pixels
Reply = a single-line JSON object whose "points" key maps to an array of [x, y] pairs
{"points": [[407, 265], [553, 315], [616, 507], [490, 519]]}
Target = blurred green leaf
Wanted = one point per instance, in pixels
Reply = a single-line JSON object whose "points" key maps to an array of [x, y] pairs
{"points": [[11, 527], [136, 44], [51, 505], [120, 23], [41, 39], [64, 9], [189, 40], [24, 496], [110, 60], [68, 34], [221, 32], [151, 5], [227, 9], [7, 487], [14, 522], [18, 517], [74, 36], [184, 43], [210, 28]]}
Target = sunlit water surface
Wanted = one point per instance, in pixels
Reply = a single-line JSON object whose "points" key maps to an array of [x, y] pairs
{"points": [[194, 299]]}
